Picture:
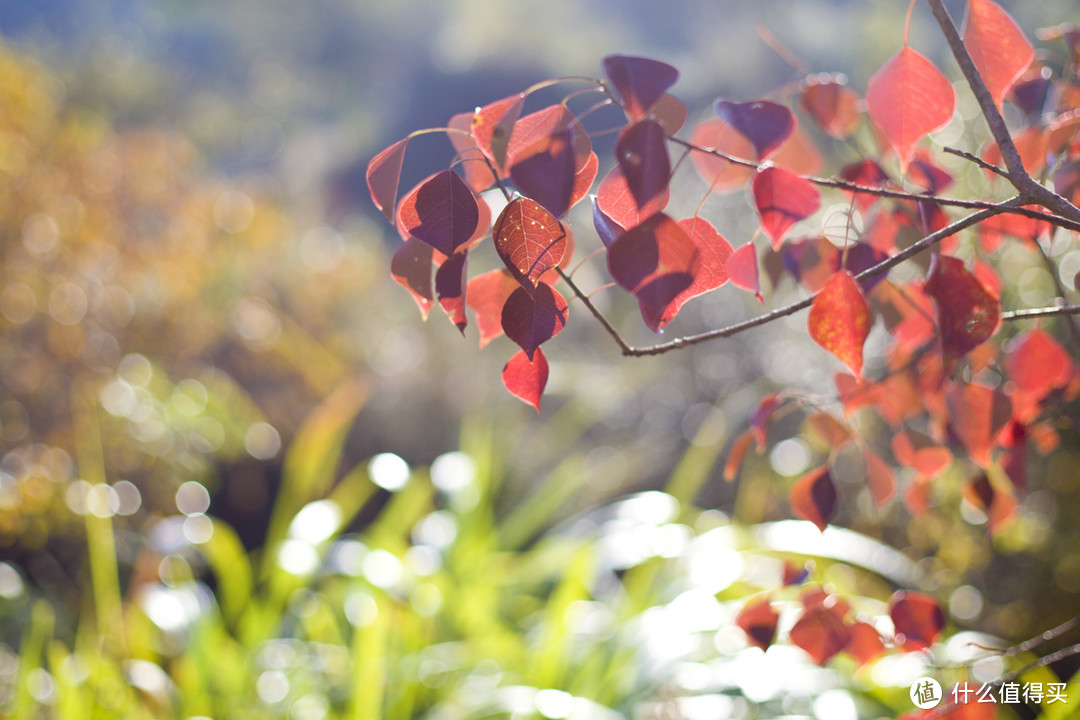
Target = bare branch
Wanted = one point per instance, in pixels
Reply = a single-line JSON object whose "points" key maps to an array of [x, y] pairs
{"points": [[977, 160], [1028, 313]]}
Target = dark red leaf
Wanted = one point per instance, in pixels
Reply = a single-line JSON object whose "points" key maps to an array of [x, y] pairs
{"points": [[811, 260], [923, 172], [766, 124], [616, 201], [782, 199], [758, 620], [880, 478], [917, 617], [821, 632], [493, 125], [863, 256], [383, 176], [998, 47], [866, 173], [654, 261], [840, 320], [478, 175], [443, 212], [411, 269], [525, 378], [487, 293], [606, 228], [833, 105], [967, 314], [639, 81], [642, 154], [743, 270], [532, 318], [813, 497], [721, 174], [450, 288], [977, 414], [547, 151], [907, 98], [529, 239], [713, 254]]}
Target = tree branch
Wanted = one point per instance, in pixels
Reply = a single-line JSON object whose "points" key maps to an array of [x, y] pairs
{"points": [[1028, 313]]}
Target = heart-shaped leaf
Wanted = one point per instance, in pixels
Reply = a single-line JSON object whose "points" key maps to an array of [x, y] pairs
{"points": [[917, 617], [450, 288], [442, 212], [967, 313], [766, 124], [782, 199], [833, 105], [743, 270], [997, 46], [907, 98], [840, 320], [813, 497], [531, 318], [486, 294], [529, 239], [383, 176], [642, 153], [654, 261], [526, 378], [758, 620], [639, 81], [713, 254]]}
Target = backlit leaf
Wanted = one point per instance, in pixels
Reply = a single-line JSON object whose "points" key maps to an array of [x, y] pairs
{"points": [[811, 260], [821, 632], [383, 176], [743, 270], [997, 46], [736, 455], [835, 434], [977, 414], [411, 268], [998, 503], [967, 313], [532, 318], [813, 497], [720, 174], [1037, 364], [617, 202], [450, 288], [639, 81], [917, 617], [907, 98], [782, 199], [766, 124], [529, 239], [670, 112], [642, 154], [865, 173], [880, 479], [713, 254], [864, 643], [606, 228], [486, 294], [493, 125], [758, 620], [526, 378], [472, 161], [761, 418], [833, 105], [840, 320], [443, 212], [654, 261], [546, 153]]}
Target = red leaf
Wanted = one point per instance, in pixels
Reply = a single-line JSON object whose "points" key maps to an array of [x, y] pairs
{"points": [[532, 318], [835, 434], [782, 199], [442, 212], [795, 574], [736, 455], [655, 261], [529, 239], [866, 173], [1037, 364], [411, 269], [721, 174], [606, 228], [670, 112], [833, 105], [766, 124], [967, 314], [639, 81], [743, 270], [546, 152], [525, 378], [811, 260], [813, 497], [997, 46], [879, 478], [642, 153], [583, 179], [758, 620], [616, 201], [907, 98], [918, 619], [383, 175], [1031, 144], [917, 451], [761, 418], [865, 643], [999, 505], [450, 288], [493, 125], [1021, 227], [821, 632], [478, 175], [977, 415], [487, 293], [840, 320], [713, 254]]}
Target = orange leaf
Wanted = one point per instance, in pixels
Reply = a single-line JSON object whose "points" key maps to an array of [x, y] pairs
{"points": [[907, 98], [977, 415], [758, 620], [880, 478], [720, 174], [736, 455], [525, 378], [743, 270], [998, 503], [840, 320], [997, 46], [917, 617], [813, 497], [821, 632]]}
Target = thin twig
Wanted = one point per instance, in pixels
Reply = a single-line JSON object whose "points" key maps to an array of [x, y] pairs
{"points": [[1028, 313], [977, 160]]}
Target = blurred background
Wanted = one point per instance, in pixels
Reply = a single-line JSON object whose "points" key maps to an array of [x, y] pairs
{"points": [[200, 342]]}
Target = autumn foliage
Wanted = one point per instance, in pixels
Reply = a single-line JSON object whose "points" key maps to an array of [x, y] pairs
{"points": [[947, 393]]}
